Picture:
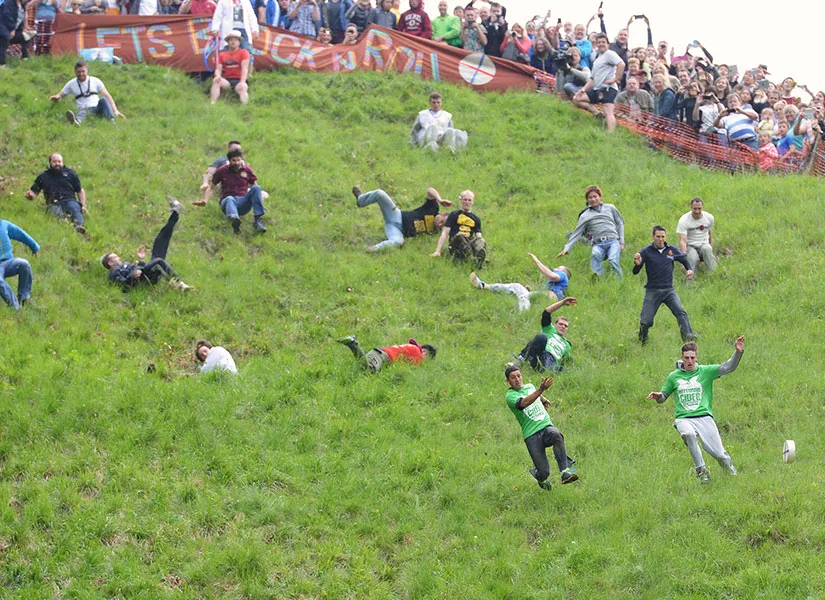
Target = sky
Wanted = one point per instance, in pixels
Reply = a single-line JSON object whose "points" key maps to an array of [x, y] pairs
{"points": [[755, 36]]}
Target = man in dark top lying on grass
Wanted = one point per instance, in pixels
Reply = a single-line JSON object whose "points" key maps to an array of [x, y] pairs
{"points": [[378, 357], [400, 224], [549, 349], [132, 274]]}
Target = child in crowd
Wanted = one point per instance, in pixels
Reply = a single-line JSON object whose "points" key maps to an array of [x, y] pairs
{"points": [[768, 154], [766, 121], [780, 131]]}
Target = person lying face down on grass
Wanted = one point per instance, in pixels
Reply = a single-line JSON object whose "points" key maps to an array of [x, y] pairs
{"points": [[378, 357], [400, 224], [129, 275]]}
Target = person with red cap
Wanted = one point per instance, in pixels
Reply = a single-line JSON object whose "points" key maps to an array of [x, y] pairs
{"points": [[378, 357]]}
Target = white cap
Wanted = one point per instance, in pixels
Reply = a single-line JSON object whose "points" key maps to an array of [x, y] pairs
{"points": [[233, 34], [789, 451]]}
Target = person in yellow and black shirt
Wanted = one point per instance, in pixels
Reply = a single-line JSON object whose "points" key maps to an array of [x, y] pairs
{"points": [[463, 228]]}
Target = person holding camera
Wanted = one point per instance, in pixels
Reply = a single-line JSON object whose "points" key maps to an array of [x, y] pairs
{"points": [[305, 16], [496, 26], [473, 33], [603, 85], [516, 45], [571, 75]]}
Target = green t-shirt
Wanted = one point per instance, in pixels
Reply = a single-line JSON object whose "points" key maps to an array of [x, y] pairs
{"points": [[532, 418], [559, 347], [693, 391], [448, 27]]}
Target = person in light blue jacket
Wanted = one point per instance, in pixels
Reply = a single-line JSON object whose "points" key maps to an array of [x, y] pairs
{"points": [[11, 266]]}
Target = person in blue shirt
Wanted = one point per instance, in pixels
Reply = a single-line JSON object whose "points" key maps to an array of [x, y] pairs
{"points": [[556, 286], [11, 266], [658, 259]]}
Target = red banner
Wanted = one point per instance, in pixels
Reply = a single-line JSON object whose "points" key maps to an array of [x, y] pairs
{"points": [[184, 42]]}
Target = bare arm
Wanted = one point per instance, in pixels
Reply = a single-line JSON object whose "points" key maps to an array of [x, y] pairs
{"points": [[81, 195], [105, 93], [185, 7], [683, 242], [569, 301], [543, 269], [445, 231], [244, 70], [482, 34]]}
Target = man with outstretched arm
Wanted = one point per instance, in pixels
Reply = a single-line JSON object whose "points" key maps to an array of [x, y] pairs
{"points": [[658, 259], [555, 288], [549, 349], [87, 92], [530, 409], [692, 385], [65, 196], [399, 224], [603, 225], [129, 275]]}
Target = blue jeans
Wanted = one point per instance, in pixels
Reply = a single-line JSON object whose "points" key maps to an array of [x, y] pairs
{"points": [[234, 206], [653, 300], [102, 109], [609, 249], [392, 216], [67, 208], [23, 270]]}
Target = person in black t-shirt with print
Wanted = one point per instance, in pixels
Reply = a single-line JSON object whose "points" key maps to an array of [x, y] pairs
{"points": [[463, 228], [65, 196], [400, 224]]}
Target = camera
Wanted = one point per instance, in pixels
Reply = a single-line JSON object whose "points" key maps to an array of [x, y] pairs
{"points": [[562, 59]]}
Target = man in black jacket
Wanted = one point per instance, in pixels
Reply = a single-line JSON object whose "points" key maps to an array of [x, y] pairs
{"points": [[658, 259], [131, 274]]}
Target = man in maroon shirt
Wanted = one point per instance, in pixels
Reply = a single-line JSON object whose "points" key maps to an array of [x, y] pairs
{"points": [[239, 191], [415, 21]]}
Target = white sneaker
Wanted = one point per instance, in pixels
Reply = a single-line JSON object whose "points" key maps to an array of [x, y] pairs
{"points": [[477, 283], [71, 118], [179, 285], [174, 205]]}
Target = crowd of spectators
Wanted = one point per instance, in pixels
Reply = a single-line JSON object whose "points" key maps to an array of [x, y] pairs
{"points": [[721, 103]]}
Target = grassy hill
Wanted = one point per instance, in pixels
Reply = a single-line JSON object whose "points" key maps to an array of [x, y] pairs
{"points": [[305, 478]]}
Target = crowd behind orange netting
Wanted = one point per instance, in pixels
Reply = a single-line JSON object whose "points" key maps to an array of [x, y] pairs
{"points": [[706, 113]]}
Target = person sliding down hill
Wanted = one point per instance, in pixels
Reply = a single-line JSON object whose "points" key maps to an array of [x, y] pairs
{"points": [[433, 128], [400, 224], [378, 357], [132, 274]]}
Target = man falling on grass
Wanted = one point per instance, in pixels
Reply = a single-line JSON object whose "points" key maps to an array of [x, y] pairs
{"points": [[530, 408], [378, 357], [693, 386]]}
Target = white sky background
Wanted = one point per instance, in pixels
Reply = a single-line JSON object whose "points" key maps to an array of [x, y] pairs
{"points": [[743, 33]]}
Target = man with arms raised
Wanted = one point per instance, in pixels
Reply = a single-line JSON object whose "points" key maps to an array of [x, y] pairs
{"points": [[695, 236], [658, 259], [65, 197], [603, 225], [603, 86], [530, 409], [549, 349], [692, 385], [463, 228], [232, 70], [87, 92], [400, 224]]}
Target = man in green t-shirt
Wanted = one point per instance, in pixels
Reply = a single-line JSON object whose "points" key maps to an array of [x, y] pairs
{"points": [[692, 385], [530, 409], [549, 349], [447, 27]]}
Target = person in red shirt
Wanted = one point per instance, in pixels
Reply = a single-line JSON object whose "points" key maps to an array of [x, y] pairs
{"points": [[232, 69], [378, 357], [415, 21], [198, 8]]}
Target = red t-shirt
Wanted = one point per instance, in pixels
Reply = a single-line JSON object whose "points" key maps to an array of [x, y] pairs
{"points": [[408, 351], [231, 62], [202, 8]]}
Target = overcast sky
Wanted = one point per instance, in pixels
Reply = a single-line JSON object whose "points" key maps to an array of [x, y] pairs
{"points": [[736, 33]]}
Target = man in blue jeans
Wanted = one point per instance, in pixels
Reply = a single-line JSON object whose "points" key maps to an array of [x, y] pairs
{"points": [[603, 226], [658, 259], [400, 224], [11, 266], [65, 196], [239, 191], [90, 95]]}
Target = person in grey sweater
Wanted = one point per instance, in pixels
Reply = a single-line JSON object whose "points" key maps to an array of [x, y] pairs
{"points": [[603, 226], [384, 16]]}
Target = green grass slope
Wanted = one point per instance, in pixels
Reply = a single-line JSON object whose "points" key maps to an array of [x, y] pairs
{"points": [[305, 478]]}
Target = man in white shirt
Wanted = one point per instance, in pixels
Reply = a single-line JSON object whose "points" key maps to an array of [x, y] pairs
{"points": [[87, 92], [695, 237], [433, 128], [214, 358]]}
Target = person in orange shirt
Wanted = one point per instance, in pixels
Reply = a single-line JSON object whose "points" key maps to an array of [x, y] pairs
{"points": [[378, 357], [232, 70]]}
